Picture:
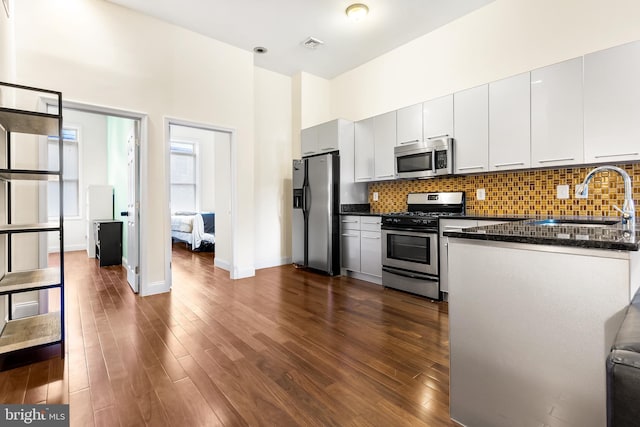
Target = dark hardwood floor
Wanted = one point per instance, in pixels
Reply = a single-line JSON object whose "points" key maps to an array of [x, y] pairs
{"points": [[284, 348]]}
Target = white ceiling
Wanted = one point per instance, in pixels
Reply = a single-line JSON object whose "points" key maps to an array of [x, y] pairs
{"points": [[282, 25]]}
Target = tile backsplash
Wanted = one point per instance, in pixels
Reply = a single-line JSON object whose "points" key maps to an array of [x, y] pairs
{"points": [[531, 192]]}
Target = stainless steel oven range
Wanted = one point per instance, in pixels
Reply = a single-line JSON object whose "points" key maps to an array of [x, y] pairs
{"points": [[410, 242]]}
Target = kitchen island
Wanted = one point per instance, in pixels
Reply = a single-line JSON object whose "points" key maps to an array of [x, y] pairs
{"points": [[534, 307]]}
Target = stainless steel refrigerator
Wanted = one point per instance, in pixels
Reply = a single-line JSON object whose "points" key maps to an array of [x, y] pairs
{"points": [[316, 192]]}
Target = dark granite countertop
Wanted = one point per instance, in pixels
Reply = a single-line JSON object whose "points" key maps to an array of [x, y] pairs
{"points": [[489, 217], [561, 233], [360, 209], [362, 213]]}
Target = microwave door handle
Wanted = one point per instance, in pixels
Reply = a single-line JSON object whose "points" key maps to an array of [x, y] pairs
{"points": [[433, 161]]}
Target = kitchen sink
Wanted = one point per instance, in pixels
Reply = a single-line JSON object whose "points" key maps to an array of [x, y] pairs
{"points": [[576, 222]]}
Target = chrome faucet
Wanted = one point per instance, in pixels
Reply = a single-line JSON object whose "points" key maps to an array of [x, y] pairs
{"points": [[628, 210]]}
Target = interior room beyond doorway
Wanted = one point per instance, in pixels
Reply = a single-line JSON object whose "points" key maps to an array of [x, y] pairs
{"points": [[96, 178], [200, 190]]}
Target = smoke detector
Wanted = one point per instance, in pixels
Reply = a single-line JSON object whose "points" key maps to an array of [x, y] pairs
{"points": [[312, 43]]}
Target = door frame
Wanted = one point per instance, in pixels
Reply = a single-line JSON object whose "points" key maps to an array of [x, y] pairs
{"points": [[168, 121], [143, 171]]}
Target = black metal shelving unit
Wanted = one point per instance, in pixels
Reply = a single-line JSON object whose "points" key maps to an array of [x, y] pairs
{"points": [[47, 329]]}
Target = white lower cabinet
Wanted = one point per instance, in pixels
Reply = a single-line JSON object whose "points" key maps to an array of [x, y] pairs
{"points": [[452, 224], [351, 250], [370, 253], [361, 247]]}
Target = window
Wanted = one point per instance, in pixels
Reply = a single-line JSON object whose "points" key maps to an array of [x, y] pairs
{"points": [[183, 177], [70, 175]]}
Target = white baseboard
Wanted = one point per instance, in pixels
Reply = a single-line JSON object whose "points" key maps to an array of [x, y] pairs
{"points": [[67, 248], [25, 309], [153, 288], [237, 272], [273, 262], [220, 263], [243, 272]]}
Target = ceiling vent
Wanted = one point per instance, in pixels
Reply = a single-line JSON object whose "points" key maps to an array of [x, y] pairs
{"points": [[312, 43]]}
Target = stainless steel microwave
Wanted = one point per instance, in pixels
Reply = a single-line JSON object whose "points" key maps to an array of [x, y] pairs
{"points": [[426, 159]]}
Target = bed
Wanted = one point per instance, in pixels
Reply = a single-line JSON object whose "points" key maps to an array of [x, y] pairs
{"points": [[195, 229]]}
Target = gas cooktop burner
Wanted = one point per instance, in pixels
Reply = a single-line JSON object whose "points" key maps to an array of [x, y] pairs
{"points": [[422, 214]]}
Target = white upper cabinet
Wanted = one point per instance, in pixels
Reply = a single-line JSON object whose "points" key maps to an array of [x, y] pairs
{"points": [[309, 141], [409, 123], [510, 123], [384, 127], [364, 150], [471, 130], [437, 117], [612, 104], [329, 136], [323, 138], [556, 115]]}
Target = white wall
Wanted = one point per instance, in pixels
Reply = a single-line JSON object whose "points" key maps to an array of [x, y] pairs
{"points": [[273, 154], [501, 39], [311, 105], [109, 55], [93, 171], [222, 168], [118, 131], [207, 174], [7, 51]]}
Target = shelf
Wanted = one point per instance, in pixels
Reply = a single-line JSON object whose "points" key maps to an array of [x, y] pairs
{"points": [[28, 175], [21, 339], [31, 122], [31, 332], [29, 228], [23, 281]]}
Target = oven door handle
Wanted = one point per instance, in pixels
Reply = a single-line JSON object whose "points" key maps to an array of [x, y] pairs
{"points": [[408, 274], [411, 230]]}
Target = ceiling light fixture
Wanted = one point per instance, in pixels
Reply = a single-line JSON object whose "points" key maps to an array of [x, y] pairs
{"points": [[357, 12]]}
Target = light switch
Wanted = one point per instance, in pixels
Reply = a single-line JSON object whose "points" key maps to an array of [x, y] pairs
{"points": [[480, 194], [562, 191], [375, 196]]}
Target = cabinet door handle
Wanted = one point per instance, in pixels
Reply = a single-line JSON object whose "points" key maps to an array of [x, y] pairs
{"points": [[327, 149], [372, 238], [308, 152], [409, 142], [556, 160], [446, 135], [470, 167], [501, 165], [344, 221], [386, 176], [601, 156], [350, 235], [364, 178]]}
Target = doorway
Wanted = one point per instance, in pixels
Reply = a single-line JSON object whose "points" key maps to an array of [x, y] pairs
{"points": [[200, 191], [101, 179]]}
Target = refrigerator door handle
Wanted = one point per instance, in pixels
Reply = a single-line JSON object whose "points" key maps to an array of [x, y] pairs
{"points": [[305, 200]]}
